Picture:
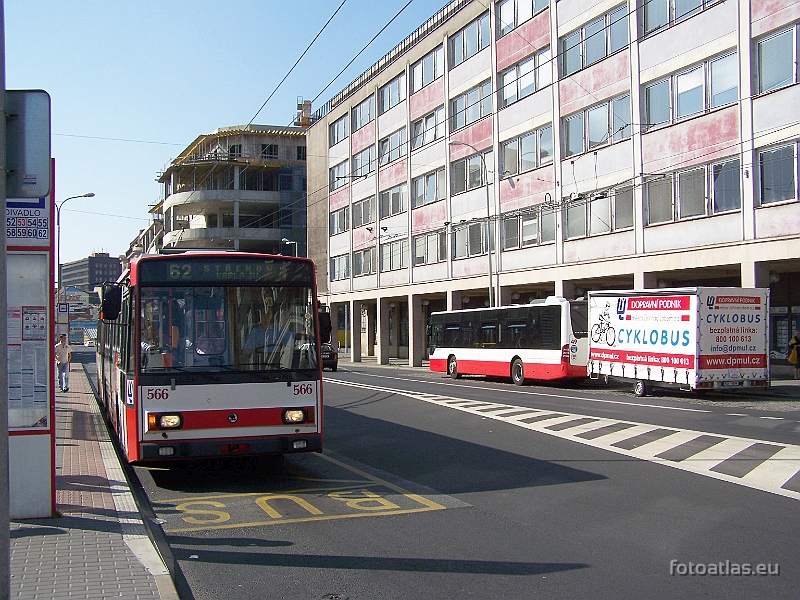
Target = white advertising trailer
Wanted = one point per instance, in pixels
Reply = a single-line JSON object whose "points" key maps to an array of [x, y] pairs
{"points": [[693, 338]]}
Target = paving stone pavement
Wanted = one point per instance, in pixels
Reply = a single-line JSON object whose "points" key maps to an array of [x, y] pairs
{"points": [[97, 547]]}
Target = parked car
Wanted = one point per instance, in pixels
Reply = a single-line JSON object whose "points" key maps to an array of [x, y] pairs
{"points": [[330, 357]]}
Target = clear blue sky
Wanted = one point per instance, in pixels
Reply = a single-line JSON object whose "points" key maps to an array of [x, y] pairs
{"points": [[165, 72]]}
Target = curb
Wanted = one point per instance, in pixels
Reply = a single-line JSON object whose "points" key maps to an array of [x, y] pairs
{"points": [[147, 542]]}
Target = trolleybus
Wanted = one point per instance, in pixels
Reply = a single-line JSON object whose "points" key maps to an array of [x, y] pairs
{"points": [[211, 355], [543, 340]]}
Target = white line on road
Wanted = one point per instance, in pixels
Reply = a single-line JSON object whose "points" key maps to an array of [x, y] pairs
{"points": [[547, 395]]}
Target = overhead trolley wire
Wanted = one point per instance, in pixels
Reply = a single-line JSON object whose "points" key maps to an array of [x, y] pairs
{"points": [[285, 77]]}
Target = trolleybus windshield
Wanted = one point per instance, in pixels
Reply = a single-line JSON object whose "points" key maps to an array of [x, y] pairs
{"points": [[226, 327]]}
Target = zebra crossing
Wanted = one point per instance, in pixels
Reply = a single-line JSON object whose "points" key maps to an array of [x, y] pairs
{"points": [[765, 466]]}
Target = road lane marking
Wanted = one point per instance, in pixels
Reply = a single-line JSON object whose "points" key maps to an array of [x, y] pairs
{"points": [[778, 470], [531, 393], [768, 476]]}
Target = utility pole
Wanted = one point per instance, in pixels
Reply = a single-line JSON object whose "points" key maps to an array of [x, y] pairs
{"points": [[5, 515]]}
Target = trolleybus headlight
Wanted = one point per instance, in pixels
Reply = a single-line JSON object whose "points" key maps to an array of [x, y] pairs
{"points": [[294, 415], [165, 421]]}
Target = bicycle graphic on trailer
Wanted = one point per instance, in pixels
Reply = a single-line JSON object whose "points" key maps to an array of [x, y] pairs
{"points": [[604, 328]]}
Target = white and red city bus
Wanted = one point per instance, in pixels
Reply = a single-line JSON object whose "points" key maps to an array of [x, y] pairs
{"points": [[211, 355], [543, 340]]}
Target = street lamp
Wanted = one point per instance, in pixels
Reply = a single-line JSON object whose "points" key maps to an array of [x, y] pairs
{"points": [[58, 228], [488, 215], [288, 241]]}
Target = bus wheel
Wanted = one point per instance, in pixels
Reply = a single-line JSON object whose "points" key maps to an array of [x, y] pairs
{"points": [[452, 368], [517, 372], [640, 388]]}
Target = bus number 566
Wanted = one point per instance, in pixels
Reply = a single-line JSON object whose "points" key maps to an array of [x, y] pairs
{"points": [[157, 394], [303, 388]]}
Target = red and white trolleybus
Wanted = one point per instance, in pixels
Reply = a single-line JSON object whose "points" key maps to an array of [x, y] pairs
{"points": [[212, 354], [543, 340]]}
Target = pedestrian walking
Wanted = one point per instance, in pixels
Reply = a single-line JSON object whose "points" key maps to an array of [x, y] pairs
{"points": [[63, 356], [794, 353]]}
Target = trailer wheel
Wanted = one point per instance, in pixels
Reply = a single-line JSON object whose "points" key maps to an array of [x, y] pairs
{"points": [[517, 372], [640, 388], [452, 367]]}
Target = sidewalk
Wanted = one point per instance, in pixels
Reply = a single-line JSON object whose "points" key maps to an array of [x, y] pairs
{"points": [[98, 547]]}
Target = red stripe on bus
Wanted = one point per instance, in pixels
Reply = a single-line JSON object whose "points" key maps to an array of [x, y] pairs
{"points": [[245, 417], [541, 371]]}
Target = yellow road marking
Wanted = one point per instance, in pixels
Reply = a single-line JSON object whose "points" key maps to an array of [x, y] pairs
{"points": [[303, 520], [335, 493]]}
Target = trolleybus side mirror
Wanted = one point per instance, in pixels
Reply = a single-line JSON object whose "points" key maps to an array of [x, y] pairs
{"points": [[111, 303], [325, 327]]}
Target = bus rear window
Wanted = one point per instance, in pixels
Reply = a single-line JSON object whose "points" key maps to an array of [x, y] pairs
{"points": [[579, 315]]}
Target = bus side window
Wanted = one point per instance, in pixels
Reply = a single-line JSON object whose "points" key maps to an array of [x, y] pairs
{"points": [[451, 336], [471, 340], [551, 328], [516, 335], [534, 331], [489, 335]]}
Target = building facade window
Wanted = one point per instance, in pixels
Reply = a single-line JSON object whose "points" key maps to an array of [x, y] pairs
{"points": [[430, 248], [777, 60], [364, 212], [525, 78], [394, 255], [363, 113], [428, 69], [392, 94], [364, 262], [597, 126], [594, 41], [777, 174], [364, 162], [428, 188], [694, 192], [339, 223], [468, 173], [393, 201], [337, 131], [607, 211], [427, 129], [528, 228], [301, 153], [470, 40], [513, 13], [470, 239], [235, 151], [471, 106], [340, 267], [269, 150], [657, 14], [392, 146], [338, 176], [526, 152], [709, 85], [726, 186]]}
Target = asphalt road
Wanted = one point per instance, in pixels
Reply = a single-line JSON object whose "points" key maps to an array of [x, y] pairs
{"points": [[433, 488]]}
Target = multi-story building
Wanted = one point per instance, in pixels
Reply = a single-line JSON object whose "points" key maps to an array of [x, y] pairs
{"points": [[91, 271], [238, 188], [530, 148]]}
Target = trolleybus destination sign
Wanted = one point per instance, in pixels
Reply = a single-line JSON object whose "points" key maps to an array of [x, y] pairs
{"points": [[222, 270]]}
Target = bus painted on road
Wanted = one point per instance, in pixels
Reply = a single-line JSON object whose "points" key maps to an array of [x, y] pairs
{"points": [[543, 340], [211, 355]]}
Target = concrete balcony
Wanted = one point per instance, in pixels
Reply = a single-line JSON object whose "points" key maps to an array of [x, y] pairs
{"points": [[221, 236], [207, 198]]}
